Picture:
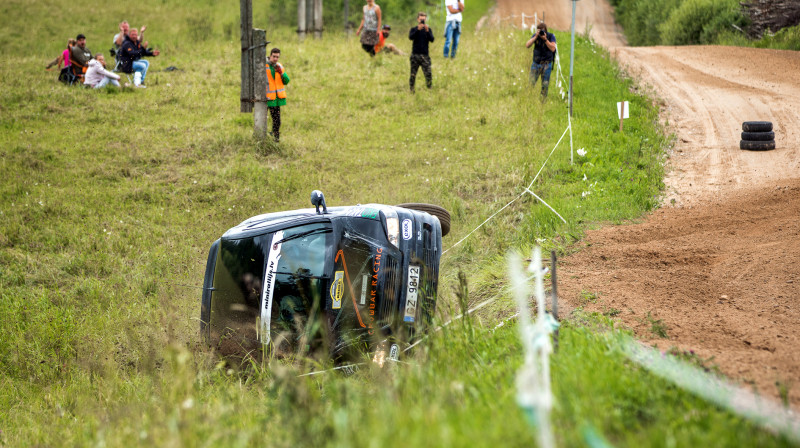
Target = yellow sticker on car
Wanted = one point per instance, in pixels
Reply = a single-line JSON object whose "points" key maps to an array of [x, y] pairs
{"points": [[337, 290]]}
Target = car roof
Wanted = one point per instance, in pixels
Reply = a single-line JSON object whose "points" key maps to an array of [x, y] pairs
{"points": [[268, 222]]}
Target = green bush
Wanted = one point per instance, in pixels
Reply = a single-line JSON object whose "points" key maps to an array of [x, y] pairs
{"points": [[677, 22], [785, 39], [700, 22]]}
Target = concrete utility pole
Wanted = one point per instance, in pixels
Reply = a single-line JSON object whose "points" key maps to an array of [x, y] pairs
{"points": [[309, 18], [301, 19], [317, 19], [246, 14], [260, 84], [572, 56]]}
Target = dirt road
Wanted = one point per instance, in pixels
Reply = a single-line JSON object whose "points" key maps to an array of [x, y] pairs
{"points": [[717, 269]]}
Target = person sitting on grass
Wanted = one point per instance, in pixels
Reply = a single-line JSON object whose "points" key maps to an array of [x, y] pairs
{"points": [[132, 56], [383, 46], [79, 53], [97, 76], [63, 57]]}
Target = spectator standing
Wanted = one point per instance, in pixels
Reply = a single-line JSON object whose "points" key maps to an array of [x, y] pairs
{"points": [[383, 46], [421, 36], [132, 59], [544, 53], [370, 24], [276, 91], [79, 53], [452, 27], [97, 76]]}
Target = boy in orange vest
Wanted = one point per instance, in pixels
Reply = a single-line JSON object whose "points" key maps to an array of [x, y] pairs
{"points": [[276, 91]]}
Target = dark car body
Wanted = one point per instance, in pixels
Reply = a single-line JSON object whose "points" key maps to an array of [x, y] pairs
{"points": [[343, 282]]}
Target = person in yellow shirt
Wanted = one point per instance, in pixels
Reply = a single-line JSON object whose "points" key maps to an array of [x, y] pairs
{"points": [[276, 91]]}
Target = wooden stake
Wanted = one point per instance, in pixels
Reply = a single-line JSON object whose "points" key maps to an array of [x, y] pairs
{"points": [[246, 11], [621, 115]]}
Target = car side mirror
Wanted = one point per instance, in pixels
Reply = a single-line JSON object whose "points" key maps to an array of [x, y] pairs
{"points": [[317, 199]]}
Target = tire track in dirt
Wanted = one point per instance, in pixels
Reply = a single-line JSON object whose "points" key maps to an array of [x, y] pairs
{"points": [[718, 268]]}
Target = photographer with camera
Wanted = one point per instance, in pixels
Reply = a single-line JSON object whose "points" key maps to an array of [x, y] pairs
{"points": [[544, 53], [421, 35]]}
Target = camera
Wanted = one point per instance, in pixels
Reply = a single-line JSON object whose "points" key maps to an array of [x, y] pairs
{"points": [[541, 33], [422, 22]]}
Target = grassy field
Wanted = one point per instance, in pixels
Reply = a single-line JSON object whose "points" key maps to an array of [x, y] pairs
{"points": [[110, 199]]}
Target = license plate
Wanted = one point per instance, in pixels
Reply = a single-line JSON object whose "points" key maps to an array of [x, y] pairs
{"points": [[411, 294]]}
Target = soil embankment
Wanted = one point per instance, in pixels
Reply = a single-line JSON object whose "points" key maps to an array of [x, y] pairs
{"points": [[717, 269]]}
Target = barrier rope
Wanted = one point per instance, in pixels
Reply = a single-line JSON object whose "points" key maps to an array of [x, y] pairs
{"points": [[526, 190]]}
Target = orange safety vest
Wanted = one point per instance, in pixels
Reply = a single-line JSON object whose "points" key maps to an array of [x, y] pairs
{"points": [[275, 87], [381, 42]]}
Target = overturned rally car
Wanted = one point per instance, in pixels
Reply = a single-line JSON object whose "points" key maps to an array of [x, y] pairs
{"points": [[337, 282]]}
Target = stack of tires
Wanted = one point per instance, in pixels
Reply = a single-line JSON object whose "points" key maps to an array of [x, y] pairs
{"points": [[757, 136]]}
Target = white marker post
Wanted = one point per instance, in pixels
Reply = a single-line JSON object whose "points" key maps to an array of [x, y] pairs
{"points": [[622, 112]]}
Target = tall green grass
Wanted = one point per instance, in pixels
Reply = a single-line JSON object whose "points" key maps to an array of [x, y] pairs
{"points": [[110, 200]]}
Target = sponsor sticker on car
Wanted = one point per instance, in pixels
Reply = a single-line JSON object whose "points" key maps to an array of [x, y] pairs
{"points": [[337, 290], [412, 290], [408, 229]]}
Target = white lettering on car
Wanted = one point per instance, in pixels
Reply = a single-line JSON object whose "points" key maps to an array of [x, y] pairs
{"points": [[269, 289]]}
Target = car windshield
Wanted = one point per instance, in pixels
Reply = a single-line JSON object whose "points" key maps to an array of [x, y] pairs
{"points": [[298, 280]]}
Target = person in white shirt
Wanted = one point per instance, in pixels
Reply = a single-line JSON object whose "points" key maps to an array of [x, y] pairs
{"points": [[452, 28], [97, 76]]}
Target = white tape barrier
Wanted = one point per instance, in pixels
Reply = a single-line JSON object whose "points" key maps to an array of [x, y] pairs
{"points": [[526, 190], [534, 394], [739, 401], [560, 76]]}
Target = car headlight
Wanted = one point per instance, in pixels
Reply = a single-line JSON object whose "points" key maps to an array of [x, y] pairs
{"points": [[392, 227]]}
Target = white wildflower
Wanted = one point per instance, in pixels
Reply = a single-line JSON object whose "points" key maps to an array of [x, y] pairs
{"points": [[581, 152]]}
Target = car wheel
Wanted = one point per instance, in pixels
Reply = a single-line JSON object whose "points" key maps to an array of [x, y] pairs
{"points": [[758, 136], [757, 146], [757, 126], [435, 210]]}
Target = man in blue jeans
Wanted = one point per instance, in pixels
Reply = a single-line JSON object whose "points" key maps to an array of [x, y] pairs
{"points": [[544, 53], [452, 28], [132, 56]]}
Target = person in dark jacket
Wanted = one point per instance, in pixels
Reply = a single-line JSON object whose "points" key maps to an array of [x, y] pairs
{"points": [[544, 52], [421, 35], [131, 57]]}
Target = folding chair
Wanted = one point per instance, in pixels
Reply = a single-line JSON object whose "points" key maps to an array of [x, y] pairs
{"points": [[118, 64], [76, 72]]}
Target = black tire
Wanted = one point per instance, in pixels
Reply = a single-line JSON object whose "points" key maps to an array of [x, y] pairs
{"points": [[758, 136], [435, 210], [757, 146], [757, 126]]}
